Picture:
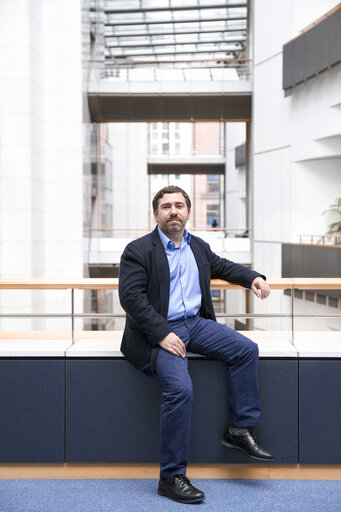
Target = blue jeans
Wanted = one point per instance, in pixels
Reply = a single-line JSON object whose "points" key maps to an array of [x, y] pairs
{"points": [[219, 342]]}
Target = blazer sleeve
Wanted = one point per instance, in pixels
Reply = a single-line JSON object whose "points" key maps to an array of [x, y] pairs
{"points": [[221, 268], [133, 283]]}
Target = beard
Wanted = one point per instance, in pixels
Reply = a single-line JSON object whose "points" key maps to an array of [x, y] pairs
{"points": [[172, 226]]}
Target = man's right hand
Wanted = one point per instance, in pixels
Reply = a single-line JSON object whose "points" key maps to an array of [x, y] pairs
{"points": [[173, 344]]}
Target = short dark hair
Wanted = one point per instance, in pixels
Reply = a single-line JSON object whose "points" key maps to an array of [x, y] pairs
{"points": [[171, 189]]}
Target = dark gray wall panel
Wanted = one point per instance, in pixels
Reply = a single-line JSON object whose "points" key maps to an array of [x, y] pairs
{"points": [[334, 38], [31, 410], [240, 155], [110, 108], [288, 66], [321, 50], [299, 260], [313, 51], [320, 412], [185, 168]]}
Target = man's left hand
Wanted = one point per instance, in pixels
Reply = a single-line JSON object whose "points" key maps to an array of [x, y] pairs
{"points": [[260, 288]]}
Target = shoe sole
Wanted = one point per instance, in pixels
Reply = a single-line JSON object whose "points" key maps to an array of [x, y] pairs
{"points": [[195, 500], [245, 452]]}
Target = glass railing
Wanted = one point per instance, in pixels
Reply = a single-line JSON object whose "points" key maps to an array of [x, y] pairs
{"points": [[297, 308]]}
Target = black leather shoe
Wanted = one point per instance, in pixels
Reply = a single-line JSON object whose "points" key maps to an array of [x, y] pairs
{"points": [[247, 443], [179, 488]]}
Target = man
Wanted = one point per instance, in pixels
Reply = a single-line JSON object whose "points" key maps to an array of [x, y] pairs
{"points": [[164, 288]]}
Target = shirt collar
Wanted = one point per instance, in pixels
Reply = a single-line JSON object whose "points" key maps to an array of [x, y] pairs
{"points": [[168, 244]]}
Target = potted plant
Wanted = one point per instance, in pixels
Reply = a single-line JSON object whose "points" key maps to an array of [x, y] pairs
{"points": [[335, 227]]}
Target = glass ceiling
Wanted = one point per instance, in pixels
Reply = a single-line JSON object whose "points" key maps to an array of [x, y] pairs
{"points": [[160, 34]]}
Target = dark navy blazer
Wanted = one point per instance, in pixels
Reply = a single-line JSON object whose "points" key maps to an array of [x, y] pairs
{"points": [[144, 283]]}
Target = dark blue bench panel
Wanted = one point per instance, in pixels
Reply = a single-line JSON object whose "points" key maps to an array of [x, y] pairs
{"points": [[278, 380], [113, 412], [31, 410], [278, 389], [320, 412]]}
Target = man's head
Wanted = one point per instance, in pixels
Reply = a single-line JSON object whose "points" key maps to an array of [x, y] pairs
{"points": [[171, 189], [172, 209]]}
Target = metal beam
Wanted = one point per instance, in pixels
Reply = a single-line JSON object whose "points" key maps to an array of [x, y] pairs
{"points": [[163, 22], [109, 63], [196, 52], [183, 7], [175, 43], [145, 34]]}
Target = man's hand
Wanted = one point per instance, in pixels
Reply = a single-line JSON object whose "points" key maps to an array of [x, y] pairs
{"points": [[173, 344], [260, 288]]}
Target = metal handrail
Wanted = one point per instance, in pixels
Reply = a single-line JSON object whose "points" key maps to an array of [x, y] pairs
{"points": [[321, 239], [282, 283], [198, 228], [112, 284]]}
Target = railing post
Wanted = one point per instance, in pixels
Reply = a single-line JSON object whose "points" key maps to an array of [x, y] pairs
{"points": [[292, 316], [73, 315]]}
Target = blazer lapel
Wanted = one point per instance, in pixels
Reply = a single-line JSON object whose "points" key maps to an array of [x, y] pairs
{"points": [[162, 269]]}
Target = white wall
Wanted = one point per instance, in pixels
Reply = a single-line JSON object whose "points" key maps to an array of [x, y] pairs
{"points": [[40, 146], [296, 141], [235, 178], [130, 181]]}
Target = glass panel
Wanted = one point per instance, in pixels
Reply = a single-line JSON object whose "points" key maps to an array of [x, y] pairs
{"points": [[36, 302], [196, 138], [206, 208], [169, 26]]}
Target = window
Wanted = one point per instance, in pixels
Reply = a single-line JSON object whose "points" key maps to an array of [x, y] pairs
{"points": [[207, 209], [310, 296], [212, 215], [213, 182], [213, 186], [333, 302], [165, 148], [177, 148]]}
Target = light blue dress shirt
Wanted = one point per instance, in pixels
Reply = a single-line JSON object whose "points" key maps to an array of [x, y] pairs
{"points": [[185, 291]]}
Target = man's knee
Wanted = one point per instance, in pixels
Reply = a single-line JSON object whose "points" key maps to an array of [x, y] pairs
{"points": [[251, 348], [254, 348], [247, 350], [182, 392]]}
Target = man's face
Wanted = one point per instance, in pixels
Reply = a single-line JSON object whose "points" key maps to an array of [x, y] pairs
{"points": [[173, 213]]}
